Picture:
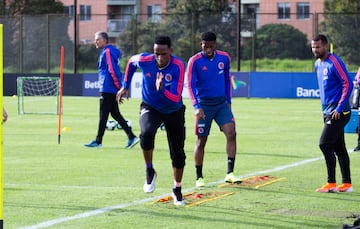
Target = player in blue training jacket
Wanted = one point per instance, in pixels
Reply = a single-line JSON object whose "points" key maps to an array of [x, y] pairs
{"points": [[110, 79], [162, 86], [335, 86], [209, 84]]}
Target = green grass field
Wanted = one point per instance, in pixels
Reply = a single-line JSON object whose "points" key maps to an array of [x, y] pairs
{"points": [[66, 185]]}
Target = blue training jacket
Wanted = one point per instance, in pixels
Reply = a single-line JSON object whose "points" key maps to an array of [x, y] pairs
{"points": [[335, 84], [169, 98], [110, 76], [209, 78]]}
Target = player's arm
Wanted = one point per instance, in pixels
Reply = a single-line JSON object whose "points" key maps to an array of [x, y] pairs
{"points": [[342, 73], [174, 93], [131, 67], [113, 68], [228, 85], [357, 77], [192, 78], [5, 115]]}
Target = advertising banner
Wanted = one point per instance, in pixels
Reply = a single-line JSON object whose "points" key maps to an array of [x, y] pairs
{"points": [[90, 85], [283, 85], [240, 84]]}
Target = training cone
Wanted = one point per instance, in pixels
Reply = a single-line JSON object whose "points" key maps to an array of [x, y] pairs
{"points": [[66, 129]]}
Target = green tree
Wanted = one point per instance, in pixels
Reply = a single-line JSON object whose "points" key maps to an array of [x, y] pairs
{"points": [[191, 18], [278, 41], [34, 27], [185, 21], [32, 7], [341, 25], [88, 55]]}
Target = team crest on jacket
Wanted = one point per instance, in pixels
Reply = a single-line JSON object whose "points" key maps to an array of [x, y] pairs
{"points": [[168, 77], [325, 72], [221, 65]]}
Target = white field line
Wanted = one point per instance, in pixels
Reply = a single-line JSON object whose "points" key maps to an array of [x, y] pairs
{"points": [[142, 201]]}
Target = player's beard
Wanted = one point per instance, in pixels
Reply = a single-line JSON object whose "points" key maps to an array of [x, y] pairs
{"points": [[319, 55]]}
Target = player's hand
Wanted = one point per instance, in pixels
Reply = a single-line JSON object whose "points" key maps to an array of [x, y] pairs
{"points": [[121, 94], [5, 115], [199, 114], [159, 77], [335, 115]]}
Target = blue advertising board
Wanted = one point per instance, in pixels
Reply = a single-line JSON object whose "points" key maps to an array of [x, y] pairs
{"points": [[244, 84], [90, 85], [283, 85], [240, 84]]}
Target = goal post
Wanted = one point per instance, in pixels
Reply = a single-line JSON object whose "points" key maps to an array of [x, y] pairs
{"points": [[38, 95]]}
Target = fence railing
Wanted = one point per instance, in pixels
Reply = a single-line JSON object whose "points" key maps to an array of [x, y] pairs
{"points": [[32, 43]]}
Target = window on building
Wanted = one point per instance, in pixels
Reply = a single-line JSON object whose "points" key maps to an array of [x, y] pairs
{"points": [[85, 12], [127, 12], [69, 11], [302, 10], [153, 13], [283, 10], [250, 17]]}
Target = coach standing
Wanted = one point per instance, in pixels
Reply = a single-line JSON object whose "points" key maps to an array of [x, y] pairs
{"points": [[335, 87], [110, 79]]}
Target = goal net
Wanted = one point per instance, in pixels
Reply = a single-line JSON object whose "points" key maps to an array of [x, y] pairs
{"points": [[38, 95]]}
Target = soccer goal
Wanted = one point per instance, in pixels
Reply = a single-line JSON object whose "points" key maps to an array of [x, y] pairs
{"points": [[38, 95]]}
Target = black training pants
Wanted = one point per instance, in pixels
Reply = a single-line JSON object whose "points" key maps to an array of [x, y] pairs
{"points": [[332, 144], [109, 105], [150, 121]]}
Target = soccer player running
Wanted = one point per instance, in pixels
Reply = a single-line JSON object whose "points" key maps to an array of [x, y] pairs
{"points": [[209, 84], [110, 79], [335, 87], [162, 86]]}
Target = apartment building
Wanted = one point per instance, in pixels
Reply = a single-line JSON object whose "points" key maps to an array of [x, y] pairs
{"points": [[301, 14], [113, 15], [109, 15]]}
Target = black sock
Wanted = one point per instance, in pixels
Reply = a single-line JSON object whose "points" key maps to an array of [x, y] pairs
{"points": [[178, 194], [149, 174], [231, 163], [198, 171]]}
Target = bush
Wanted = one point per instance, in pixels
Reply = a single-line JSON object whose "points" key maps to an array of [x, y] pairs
{"points": [[278, 41], [88, 55]]}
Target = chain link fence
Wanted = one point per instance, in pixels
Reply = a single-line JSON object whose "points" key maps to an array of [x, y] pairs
{"points": [[32, 43]]}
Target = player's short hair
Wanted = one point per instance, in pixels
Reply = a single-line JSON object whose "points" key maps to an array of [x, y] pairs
{"points": [[103, 35], [321, 38], [163, 40], [208, 36]]}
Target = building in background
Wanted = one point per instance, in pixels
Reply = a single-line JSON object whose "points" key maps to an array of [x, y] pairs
{"points": [[301, 14], [117, 15]]}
